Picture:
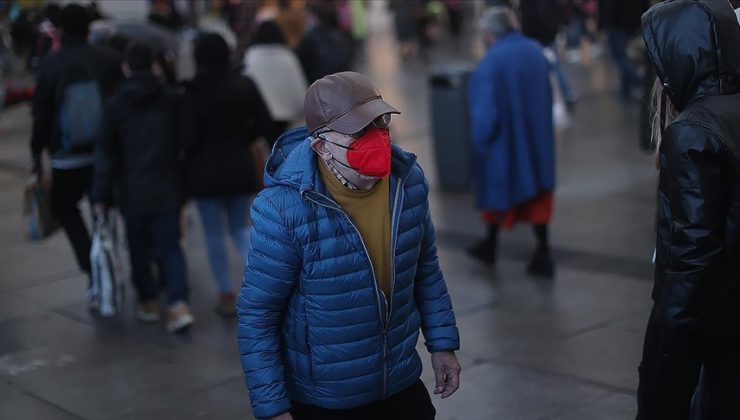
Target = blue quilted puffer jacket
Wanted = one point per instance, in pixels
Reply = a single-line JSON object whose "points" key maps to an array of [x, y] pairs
{"points": [[313, 325]]}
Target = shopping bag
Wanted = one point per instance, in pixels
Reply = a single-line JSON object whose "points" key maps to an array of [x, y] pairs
{"points": [[260, 151], [106, 292], [39, 220], [560, 116]]}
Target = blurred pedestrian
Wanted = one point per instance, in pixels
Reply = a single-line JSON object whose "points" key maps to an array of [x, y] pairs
{"points": [[215, 20], [67, 108], [291, 17], [404, 23], [582, 15], [621, 21], [510, 101], [94, 10], [137, 158], [359, 32], [695, 321], [23, 30], [323, 50], [164, 14], [344, 271], [223, 114], [454, 16], [50, 37], [277, 73], [542, 21]]}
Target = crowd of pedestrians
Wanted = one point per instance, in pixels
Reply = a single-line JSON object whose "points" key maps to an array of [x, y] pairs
{"points": [[335, 231], [119, 133]]}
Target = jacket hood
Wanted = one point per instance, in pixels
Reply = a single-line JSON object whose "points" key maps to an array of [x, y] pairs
{"points": [[693, 45], [141, 88], [293, 162]]}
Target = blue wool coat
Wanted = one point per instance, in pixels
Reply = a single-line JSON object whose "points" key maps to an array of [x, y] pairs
{"points": [[313, 325], [510, 104]]}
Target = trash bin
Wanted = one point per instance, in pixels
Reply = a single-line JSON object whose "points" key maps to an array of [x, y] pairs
{"points": [[450, 126]]}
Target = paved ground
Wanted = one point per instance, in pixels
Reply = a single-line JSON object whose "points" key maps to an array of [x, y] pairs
{"points": [[566, 349]]}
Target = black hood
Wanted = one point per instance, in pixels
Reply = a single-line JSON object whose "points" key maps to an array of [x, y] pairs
{"points": [[695, 47], [141, 88]]}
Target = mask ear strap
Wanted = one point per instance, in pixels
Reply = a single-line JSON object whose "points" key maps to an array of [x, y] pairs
{"points": [[342, 163], [331, 142]]}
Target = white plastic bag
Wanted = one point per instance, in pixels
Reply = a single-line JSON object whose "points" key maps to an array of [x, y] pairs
{"points": [[560, 114], [106, 291]]}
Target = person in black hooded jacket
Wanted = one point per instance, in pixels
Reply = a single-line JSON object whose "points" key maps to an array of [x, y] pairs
{"points": [[223, 113], [137, 153], [695, 320], [78, 70]]}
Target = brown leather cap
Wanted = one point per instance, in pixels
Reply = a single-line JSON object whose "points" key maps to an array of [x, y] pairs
{"points": [[344, 102]]}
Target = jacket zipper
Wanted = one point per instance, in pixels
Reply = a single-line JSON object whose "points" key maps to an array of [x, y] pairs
{"points": [[394, 236], [378, 293]]}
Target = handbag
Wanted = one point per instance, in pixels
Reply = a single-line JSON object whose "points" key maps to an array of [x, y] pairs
{"points": [[40, 221]]}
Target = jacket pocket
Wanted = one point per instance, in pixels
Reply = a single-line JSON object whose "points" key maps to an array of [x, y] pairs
{"points": [[300, 335]]}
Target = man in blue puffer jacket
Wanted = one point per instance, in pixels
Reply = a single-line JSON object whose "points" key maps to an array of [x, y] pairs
{"points": [[343, 270]]}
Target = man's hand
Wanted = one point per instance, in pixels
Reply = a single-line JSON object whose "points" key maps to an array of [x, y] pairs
{"points": [[446, 373], [284, 416], [38, 177]]}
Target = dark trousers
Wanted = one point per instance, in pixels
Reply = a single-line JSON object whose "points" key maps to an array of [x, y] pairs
{"points": [[149, 233], [411, 404], [630, 77], [669, 379], [69, 186]]}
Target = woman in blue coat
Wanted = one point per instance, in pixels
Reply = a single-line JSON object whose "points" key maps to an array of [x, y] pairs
{"points": [[510, 103]]}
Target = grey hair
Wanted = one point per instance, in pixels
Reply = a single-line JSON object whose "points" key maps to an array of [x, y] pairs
{"points": [[658, 124], [498, 20]]}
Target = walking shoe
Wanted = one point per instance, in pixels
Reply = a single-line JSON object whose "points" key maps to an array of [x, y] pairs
{"points": [[483, 251], [148, 312], [226, 304], [541, 265], [179, 318]]}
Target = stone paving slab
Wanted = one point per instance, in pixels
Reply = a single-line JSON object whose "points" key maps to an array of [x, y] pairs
{"points": [[107, 378], [222, 402], [7, 390], [26, 407], [514, 393], [612, 407]]}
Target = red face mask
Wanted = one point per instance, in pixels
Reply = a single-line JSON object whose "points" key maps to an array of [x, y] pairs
{"points": [[370, 154]]}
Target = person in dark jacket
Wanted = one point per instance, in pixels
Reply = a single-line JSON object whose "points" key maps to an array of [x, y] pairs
{"points": [[137, 156], [343, 272], [223, 114], [542, 20], [323, 50], [621, 21], [510, 102], [164, 13], [695, 320], [66, 128]]}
